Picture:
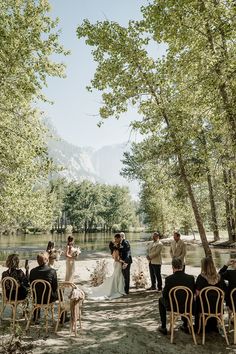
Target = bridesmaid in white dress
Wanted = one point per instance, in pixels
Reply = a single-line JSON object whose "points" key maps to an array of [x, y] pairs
{"points": [[70, 260], [113, 286]]}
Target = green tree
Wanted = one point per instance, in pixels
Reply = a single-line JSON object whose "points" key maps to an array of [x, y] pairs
{"points": [[28, 39]]}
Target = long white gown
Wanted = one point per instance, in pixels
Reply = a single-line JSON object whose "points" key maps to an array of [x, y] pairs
{"points": [[112, 288]]}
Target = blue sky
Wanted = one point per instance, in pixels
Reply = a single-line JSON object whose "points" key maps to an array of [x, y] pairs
{"points": [[75, 112]]}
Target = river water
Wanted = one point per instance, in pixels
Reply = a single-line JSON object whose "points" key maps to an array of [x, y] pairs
{"points": [[27, 246]]}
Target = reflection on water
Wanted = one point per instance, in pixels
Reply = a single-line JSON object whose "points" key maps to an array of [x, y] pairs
{"points": [[27, 246]]}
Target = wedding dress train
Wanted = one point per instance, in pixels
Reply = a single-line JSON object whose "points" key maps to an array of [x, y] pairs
{"points": [[112, 288]]}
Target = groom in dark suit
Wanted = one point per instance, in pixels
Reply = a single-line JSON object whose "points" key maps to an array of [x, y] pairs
{"points": [[125, 255], [176, 279]]}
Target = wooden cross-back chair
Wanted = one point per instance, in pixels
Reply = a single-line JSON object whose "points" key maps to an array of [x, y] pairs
{"points": [[181, 305], [212, 306], [10, 288], [41, 295]]}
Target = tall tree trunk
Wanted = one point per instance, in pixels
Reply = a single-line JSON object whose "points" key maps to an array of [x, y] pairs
{"points": [[214, 223], [196, 212], [230, 219]]}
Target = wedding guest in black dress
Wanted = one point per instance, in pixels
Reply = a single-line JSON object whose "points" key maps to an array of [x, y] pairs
{"points": [[13, 271], [230, 276], [208, 277]]}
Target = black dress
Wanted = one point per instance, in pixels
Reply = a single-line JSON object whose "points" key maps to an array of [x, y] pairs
{"points": [[21, 279], [201, 283]]}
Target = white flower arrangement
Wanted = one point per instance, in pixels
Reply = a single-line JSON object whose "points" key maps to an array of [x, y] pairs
{"points": [[139, 277], [98, 275], [76, 252]]}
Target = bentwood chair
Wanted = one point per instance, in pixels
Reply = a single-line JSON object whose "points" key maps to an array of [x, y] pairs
{"points": [[181, 305], [76, 302], [10, 289], [70, 298], [232, 312], [212, 306], [63, 292], [41, 295]]}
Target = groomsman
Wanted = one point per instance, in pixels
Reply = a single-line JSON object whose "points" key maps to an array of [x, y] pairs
{"points": [[178, 249], [154, 249]]}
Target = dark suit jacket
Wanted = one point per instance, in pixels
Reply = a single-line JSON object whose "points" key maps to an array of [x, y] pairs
{"points": [[44, 272], [229, 275], [176, 279], [125, 252]]}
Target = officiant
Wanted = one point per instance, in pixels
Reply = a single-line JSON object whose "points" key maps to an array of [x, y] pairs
{"points": [[154, 249]]}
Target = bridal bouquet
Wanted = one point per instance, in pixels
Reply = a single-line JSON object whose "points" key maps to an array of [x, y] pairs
{"points": [[139, 277], [76, 252]]}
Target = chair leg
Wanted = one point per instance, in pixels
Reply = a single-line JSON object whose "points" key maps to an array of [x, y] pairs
{"points": [[29, 319], [58, 319], [46, 319], [190, 322], [203, 329], [234, 328], [80, 317], [52, 311], [13, 317], [172, 324], [224, 330], [229, 320]]}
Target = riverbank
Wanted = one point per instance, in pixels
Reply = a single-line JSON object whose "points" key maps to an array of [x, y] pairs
{"points": [[126, 326]]}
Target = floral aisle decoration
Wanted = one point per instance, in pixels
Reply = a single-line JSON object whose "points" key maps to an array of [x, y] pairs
{"points": [[98, 275], [139, 277]]}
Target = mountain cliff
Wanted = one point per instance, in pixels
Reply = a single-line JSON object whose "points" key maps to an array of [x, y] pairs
{"points": [[102, 165]]}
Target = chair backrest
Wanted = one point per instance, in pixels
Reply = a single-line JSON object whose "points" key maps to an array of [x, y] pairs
{"points": [[10, 288], [212, 300], [233, 299], [62, 290], [41, 292], [181, 299]]}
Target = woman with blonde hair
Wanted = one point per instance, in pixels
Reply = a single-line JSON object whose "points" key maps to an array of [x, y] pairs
{"points": [[13, 271], [208, 277]]}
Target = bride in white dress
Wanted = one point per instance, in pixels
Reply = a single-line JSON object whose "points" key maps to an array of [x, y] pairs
{"points": [[113, 286]]}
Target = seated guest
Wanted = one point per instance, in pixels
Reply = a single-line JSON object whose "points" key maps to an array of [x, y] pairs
{"points": [[230, 276], [13, 271], [208, 277], [176, 279], [44, 272]]}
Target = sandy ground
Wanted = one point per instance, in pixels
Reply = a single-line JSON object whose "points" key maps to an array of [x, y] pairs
{"points": [[126, 326]]}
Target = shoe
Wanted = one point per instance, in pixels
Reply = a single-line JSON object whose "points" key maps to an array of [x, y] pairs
{"points": [[162, 331], [151, 288], [184, 329]]}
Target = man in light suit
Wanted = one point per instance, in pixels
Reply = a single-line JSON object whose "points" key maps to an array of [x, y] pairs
{"points": [[176, 279], [154, 249], [178, 248]]}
